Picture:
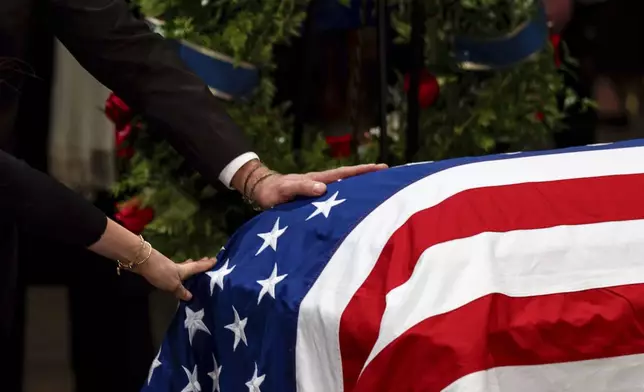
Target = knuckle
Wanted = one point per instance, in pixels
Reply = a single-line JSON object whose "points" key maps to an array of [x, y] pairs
{"points": [[284, 190]]}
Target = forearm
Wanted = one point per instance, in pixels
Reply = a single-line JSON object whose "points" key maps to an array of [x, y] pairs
{"points": [[117, 243], [146, 71], [40, 205], [46, 208]]}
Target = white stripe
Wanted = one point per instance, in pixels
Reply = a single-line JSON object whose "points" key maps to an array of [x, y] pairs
{"points": [[318, 366], [519, 263], [617, 374], [415, 163]]}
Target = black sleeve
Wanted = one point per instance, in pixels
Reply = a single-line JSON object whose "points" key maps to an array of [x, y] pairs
{"points": [[146, 72], [46, 208]]}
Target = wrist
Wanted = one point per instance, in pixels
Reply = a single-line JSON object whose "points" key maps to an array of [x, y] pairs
{"points": [[133, 250], [247, 175], [151, 263]]}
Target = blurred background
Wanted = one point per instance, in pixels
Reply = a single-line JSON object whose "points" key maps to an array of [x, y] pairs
{"points": [[79, 328]]}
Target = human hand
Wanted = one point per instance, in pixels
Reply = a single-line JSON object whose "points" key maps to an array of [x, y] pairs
{"points": [[167, 275], [280, 188]]}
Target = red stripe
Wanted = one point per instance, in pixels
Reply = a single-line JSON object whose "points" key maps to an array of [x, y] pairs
{"points": [[491, 209], [497, 330]]}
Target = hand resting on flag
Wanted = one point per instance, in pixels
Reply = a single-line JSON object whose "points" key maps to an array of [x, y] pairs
{"points": [[118, 243]]}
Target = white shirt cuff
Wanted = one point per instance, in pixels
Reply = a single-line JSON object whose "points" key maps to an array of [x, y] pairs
{"points": [[226, 175]]}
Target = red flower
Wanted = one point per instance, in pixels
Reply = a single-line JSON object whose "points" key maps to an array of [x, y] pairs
{"points": [[117, 111], [428, 88], [539, 116], [132, 217], [555, 40], [340, 145], [121, 135]]}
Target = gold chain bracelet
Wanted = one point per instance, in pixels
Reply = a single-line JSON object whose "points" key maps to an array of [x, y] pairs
{"points": [[248, 177], [250, 199], [133, 264]]}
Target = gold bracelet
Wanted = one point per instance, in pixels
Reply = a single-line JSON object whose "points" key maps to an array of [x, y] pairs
{"points": [[251, 198], [249, 176], [132, 265], [120, 265], [141, 247]]}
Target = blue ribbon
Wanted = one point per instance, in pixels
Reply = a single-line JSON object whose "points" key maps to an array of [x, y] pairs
{"points": [[226, 79], [485, 54]]}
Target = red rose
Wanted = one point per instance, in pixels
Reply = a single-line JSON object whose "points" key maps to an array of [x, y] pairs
{"points": [[132, 217], [340, 145], [117, 111], [539, 116], [428, 88], [121, 135]]}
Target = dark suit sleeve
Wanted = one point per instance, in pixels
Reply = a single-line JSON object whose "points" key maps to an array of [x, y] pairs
{"points": [[40, 205], [146, 72]]}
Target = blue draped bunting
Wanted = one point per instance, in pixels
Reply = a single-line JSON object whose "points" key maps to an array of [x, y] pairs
{"points": [[226, 79], [485, 54]]}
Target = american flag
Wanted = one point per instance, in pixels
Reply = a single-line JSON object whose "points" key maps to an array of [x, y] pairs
{"points": [[507, 273]]}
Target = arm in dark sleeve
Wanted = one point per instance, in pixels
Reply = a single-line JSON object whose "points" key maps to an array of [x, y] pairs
{"points": [[42, 206], [146, 72]]}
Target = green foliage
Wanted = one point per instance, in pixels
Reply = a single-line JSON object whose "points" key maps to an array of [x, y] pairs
{"points": [[485, 18], [244, 29], [475, 111]]}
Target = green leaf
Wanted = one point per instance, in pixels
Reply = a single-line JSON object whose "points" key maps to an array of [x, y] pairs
{"points": [[152, 8]]}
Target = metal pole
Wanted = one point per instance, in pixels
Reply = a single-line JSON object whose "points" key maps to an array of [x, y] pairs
{"points": [[417, 49], [382, 68], [305, 48]]}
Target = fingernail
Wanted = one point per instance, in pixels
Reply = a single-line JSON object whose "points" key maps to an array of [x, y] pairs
{"points": [[319, 188]]}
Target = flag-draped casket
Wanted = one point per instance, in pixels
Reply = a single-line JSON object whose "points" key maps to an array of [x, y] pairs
{"points": [[517, 272]]}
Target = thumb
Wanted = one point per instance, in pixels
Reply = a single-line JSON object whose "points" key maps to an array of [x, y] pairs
{"points": [[182, 293]]}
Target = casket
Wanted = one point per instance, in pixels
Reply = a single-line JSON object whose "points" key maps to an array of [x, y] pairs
{"points": [[516, 272]]}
